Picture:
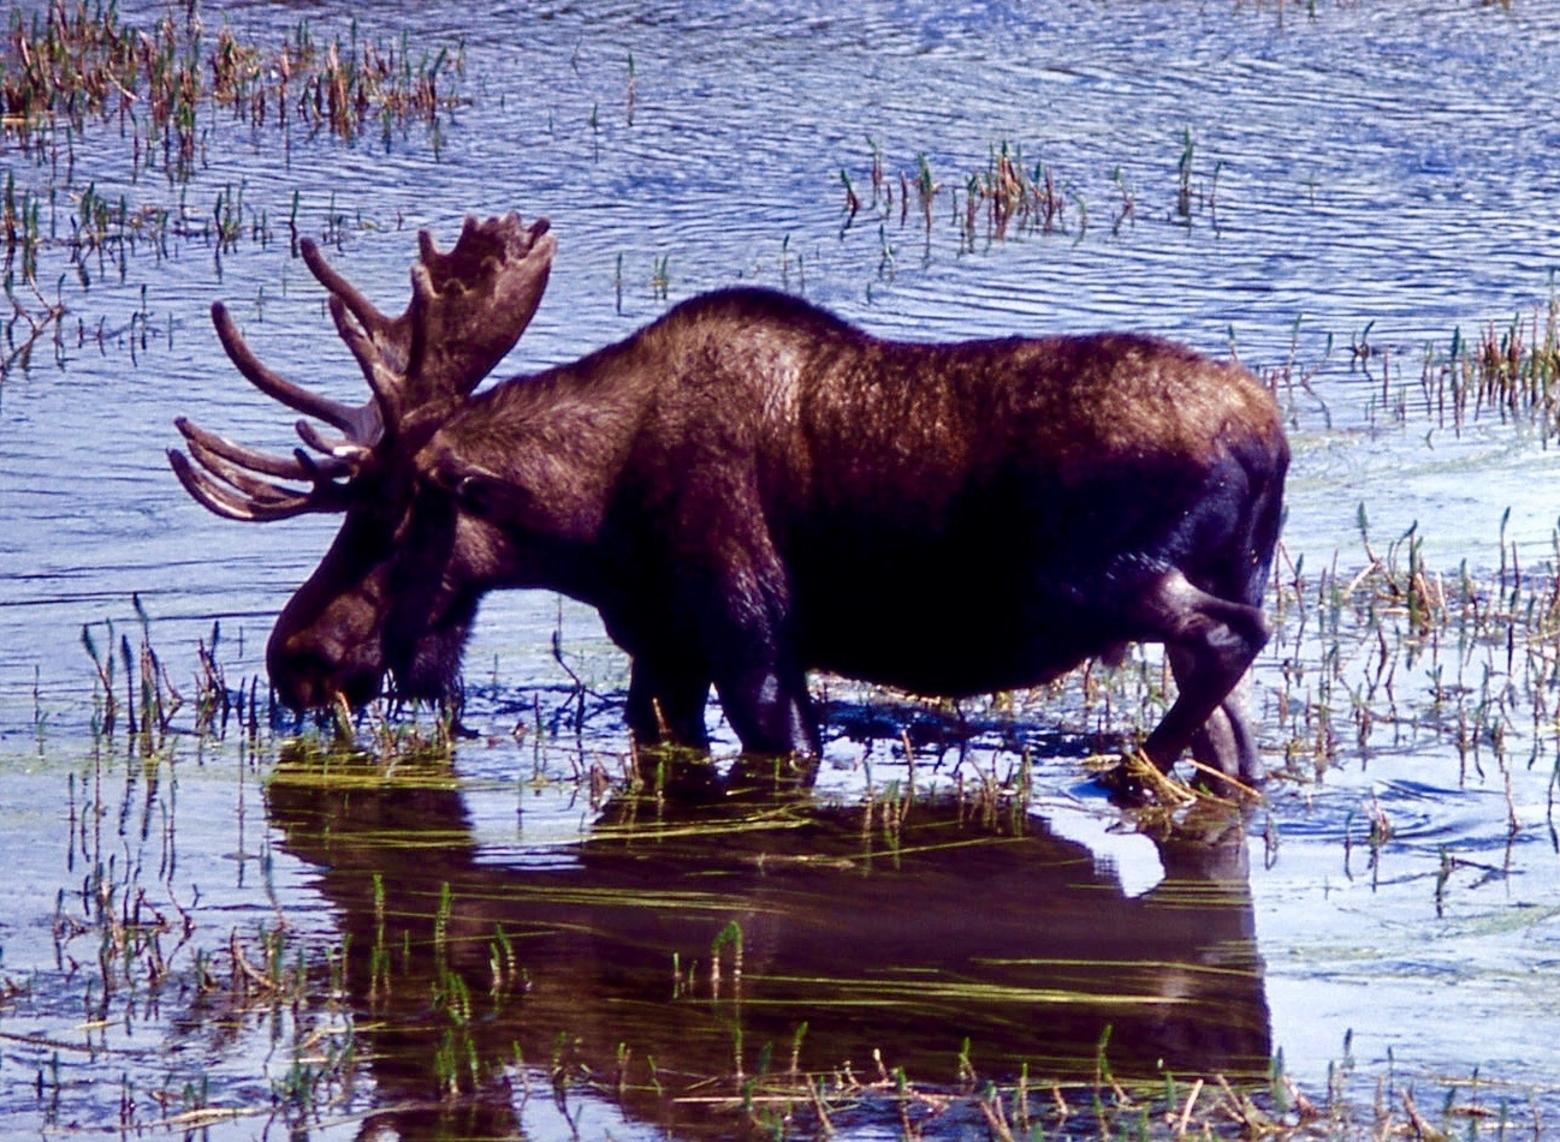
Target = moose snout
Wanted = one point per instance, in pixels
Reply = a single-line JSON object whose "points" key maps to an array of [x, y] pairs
{"points": [[308, 674]]}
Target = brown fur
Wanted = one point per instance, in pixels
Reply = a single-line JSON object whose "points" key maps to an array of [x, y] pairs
{"points": [[750, 488]]}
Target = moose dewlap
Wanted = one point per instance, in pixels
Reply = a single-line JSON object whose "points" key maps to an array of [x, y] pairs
{"points": [[750, 488]]}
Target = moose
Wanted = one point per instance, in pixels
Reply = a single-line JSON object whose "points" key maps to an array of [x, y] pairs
{"points": [[750, 488]]}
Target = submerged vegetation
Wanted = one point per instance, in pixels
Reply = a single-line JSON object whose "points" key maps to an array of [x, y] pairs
{"points": [[68, 70], [169, 89], [1509, 371], [1011, 197]]}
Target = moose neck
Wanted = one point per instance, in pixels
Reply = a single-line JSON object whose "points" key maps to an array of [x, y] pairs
{"points": [[559, 442]]}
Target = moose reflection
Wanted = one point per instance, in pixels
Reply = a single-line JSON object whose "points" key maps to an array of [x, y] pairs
{"points": [[946, 923]]}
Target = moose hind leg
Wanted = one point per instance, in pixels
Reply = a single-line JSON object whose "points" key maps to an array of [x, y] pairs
{"points": [[1211, 643], [1225, 742]]}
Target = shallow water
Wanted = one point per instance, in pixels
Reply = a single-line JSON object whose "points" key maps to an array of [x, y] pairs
{"points": [[1383, 167]]}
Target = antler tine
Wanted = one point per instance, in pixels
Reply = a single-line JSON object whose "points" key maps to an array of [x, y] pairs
{"points": [[273, 384], [215, 498], [239, 468], [428, 249], [247, 497], [325, 493], [258, 491], [364, 310], [254, 460], [420, 312], [347, 453], [381, 378]]}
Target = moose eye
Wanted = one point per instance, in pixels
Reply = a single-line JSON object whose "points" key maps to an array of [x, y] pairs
{"points": [[474, 494]]}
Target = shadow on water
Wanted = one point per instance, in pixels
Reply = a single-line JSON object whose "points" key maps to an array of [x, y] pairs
{"points": [[763, 935]]}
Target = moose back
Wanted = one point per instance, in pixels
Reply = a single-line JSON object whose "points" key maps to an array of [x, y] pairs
{"points": [[750, 488]]}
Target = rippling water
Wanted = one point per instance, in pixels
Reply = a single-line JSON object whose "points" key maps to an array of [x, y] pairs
{"points": [[1384, 167]]}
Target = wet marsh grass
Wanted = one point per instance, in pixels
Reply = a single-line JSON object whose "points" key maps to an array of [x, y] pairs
{"points": [[72, 72], [133, 946], [73, 62], [879, 1099], [1507, 375], [1405, 648], [1509, 372], [1011, 196], [136, 947]]}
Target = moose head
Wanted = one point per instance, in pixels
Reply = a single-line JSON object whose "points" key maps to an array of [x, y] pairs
{"points": [[397, 591]]}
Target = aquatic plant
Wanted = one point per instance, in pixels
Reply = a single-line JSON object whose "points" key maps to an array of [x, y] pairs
{"points": [[1010, 196], [75, 61], [29, 323], [1510, 371], [169, 86]]}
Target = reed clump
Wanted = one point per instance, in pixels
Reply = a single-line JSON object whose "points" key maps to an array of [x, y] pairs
{"points": [[1511, 372], [1006, 196], [1007, 193], [1507, 373], [74, 62], [1011, 196]]}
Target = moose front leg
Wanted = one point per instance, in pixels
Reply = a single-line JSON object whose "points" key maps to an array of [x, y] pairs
{"points": [[766, 703], [745, 626], [769, 707], [666, 702]]}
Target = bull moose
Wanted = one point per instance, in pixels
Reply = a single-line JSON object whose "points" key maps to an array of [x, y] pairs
{"points": [[750, 487]]}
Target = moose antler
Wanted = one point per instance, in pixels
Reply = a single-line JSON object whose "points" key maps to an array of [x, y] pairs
{"points": [[468, 309]]}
